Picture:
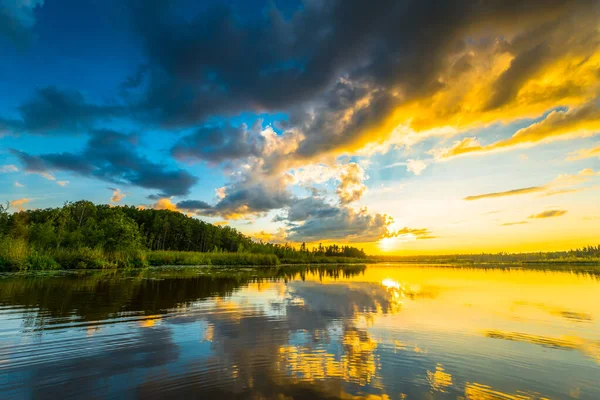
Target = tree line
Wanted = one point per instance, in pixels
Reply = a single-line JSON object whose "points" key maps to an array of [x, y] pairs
{"points": [[83, 224]]}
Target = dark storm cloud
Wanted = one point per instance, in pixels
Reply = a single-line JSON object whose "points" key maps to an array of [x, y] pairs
{"points": [[52, 111], [17, 20], [319, 62], [61, 111], [220, 143], [193, 205], [111, 156]]}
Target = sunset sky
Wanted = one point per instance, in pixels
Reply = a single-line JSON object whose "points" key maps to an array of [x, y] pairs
{"points": [[404, 127]]}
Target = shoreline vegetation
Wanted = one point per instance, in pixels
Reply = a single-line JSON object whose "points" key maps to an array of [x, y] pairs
{"points": [[82, 235], [585, 255]]}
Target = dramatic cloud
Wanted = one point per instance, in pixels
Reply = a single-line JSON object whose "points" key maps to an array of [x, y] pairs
{"points": [[17, 19], [112, 157], [558, 125], [307, 219], [252, 193], [286, 100], [367, 73], [549, 214]]}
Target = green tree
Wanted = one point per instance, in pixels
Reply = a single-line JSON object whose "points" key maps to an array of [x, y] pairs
{"points": [[120, 233]]}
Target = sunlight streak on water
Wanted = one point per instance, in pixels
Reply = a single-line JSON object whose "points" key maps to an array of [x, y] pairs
{"points": [[380, 332]]}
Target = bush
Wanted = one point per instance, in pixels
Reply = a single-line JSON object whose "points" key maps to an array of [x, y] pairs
{"points": [[14, 254], [41, 262], [83, 258]]}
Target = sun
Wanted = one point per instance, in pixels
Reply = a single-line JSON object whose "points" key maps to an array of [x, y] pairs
{"points": [[388, 244], [393, 243]]}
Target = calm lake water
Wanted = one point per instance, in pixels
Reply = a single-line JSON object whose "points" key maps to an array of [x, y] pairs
{"points": [[376, 332]]}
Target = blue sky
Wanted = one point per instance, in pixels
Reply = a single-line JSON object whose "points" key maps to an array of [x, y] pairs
{"points": [[309, 120]]}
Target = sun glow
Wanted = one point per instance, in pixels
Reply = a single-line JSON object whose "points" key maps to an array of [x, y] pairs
{"points": [[390, 283], [393, 243]]}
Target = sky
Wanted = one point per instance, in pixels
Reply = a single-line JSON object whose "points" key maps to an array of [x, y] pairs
{"points": [[405, 127]]}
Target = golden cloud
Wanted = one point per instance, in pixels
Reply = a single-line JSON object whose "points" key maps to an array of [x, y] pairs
{"points": [[18, 204], [558, 125], [549, 214], [584, 153], [560, 185], [117, 195], [165, 204], [513, 192], [514, 223]]}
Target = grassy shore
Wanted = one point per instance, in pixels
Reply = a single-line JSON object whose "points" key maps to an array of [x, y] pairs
{"points": [[494, 259], [17, 255]]}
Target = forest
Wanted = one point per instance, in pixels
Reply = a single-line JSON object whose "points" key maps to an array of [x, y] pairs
{"points": [[82, 235], [583, 255]]}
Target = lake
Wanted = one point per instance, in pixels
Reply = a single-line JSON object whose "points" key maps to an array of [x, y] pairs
{"points": [[375, 331]]}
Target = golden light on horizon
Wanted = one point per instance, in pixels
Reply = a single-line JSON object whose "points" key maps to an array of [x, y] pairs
{"points": [[395, 243]]}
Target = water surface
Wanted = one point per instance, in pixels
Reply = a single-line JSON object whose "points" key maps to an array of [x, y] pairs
{"points": [[374, 332]]}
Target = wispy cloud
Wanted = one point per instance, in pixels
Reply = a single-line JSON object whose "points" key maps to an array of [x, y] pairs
{"points": [[18, 184], [514, 223], [562, 191], [414, 166], [514, 192], [548, 214], [18, 204], [46, 175], [584, 153], [62, 183], [5, 169], [560, 185], [417, 233]]}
